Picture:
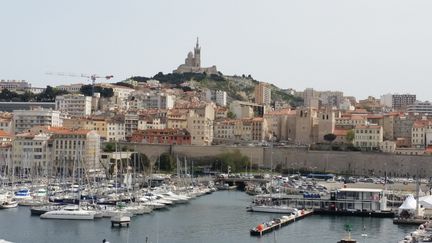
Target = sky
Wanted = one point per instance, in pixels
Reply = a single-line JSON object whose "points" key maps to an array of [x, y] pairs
{"points": [[367, 47]]}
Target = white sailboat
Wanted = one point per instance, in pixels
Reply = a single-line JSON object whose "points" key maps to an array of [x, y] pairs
{"points": [[69, 212]]}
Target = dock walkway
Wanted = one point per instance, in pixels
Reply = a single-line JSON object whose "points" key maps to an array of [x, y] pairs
{"points": [[278, 223]]}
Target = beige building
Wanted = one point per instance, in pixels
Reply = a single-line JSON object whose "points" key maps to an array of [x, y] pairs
{"points": [[193, 63], [71, 148], [200, 128], [350, 121], [71, 88], [177, 118], [368, 137], [281, 124], [306, 122], [326, 124], [224, 131], [246, 109], [263, 94], [241, 131], [97, 124], [31, 153], [388, 146]]}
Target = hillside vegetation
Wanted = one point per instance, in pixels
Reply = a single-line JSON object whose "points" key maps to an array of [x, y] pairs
{"points": [[237, 87]]}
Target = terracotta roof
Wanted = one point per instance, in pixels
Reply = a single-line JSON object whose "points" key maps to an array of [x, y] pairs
{"points": [[4, 134], [25, 135], [341, 132], [375, 116], [421, 123], [64, 131], [285, 111]]}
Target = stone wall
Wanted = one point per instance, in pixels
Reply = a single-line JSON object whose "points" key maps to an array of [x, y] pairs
{"points": [[356, 163]]}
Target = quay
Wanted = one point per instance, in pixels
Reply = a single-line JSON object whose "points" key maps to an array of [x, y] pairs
{"points": [[120, 220], [411, 221], [278, 223]]}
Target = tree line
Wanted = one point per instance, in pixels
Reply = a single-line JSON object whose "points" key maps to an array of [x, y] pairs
{"points": [[50, 94]]}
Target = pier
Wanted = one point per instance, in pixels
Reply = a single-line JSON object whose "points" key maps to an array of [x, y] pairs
{"points": [[278, 223]]}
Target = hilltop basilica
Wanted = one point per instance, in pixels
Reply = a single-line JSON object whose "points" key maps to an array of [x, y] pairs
{"points": [[193, 63]]}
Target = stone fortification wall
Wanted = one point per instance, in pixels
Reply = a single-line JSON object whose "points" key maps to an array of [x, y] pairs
{"points": [[356, 163]]}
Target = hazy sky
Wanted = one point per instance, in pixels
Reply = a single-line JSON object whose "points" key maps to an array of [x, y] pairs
{"points": [[360, 47]]}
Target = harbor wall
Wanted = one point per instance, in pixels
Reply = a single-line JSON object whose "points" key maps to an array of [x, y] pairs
{"points": [[354, 163]]}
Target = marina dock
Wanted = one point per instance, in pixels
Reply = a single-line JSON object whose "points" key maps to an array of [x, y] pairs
{"points": [[412, 221], [278, 223]]}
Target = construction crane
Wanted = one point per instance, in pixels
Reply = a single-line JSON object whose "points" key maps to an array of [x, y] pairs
{"points": [[93, 77]]}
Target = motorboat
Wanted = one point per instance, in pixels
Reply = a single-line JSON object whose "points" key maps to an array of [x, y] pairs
{"points": [[9, 204], [69, 212], [31, 202], [39, 210], [23, 194], [176, 198], [41, 192]]}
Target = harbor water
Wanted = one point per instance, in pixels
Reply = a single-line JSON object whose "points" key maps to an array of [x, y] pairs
{"points": [[219, 217]]}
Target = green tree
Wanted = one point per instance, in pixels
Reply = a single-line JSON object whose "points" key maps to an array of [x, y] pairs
{"points": [[139, 161], [350, 136], [7, 95], [234, 160], [27, 96], [49, 94], [231, 115], [87, 90], [166, 162], [329, 137], [109, 147]]}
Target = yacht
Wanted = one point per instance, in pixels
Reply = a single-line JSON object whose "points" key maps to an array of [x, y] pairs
{"points": [[69, 212], [10, 203], [23, 194], [175, 197]]}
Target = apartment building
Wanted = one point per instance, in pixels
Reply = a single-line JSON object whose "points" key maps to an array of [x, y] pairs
{"points": [[263, 94], [24, 120], [76, 105], [171, 136], [368, 137], [421, 134]]}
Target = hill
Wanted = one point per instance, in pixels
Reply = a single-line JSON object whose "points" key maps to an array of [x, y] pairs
{"points": [[237, 87]]}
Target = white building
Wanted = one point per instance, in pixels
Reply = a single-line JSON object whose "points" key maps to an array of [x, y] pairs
{"points": [[221, 98], [24, 120], [6, 124], [116, 130], [420, 107], [397, 101], [421, 134], [140, 100], [74, 104]]}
